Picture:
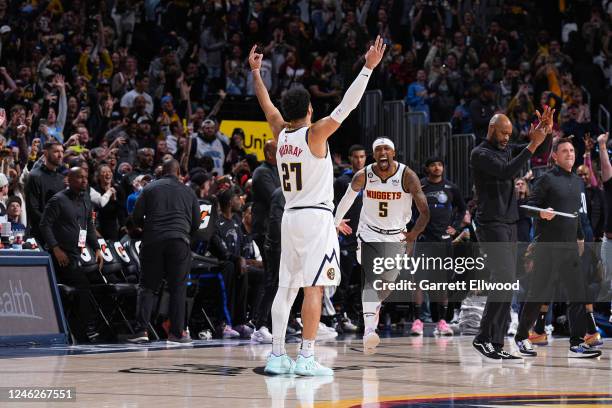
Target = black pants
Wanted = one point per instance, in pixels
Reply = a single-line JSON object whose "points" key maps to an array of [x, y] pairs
{"points": [[272, 266], [348, 260], [261, 288], [72, 275], [498, 242], [238, 294], [170, 260], [555, 267]]}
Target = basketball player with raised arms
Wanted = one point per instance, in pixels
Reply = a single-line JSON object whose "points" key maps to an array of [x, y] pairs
{"points": [[309, 242], [388, 190]]}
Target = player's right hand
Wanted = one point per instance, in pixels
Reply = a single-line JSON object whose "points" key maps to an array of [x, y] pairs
{"points": [[255, 58], [547, 214], [375, 53], [344, 228]]}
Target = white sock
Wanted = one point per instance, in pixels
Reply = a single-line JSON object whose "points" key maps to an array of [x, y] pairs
{"points": [[307, 348], [281, 307], [278, 346]]}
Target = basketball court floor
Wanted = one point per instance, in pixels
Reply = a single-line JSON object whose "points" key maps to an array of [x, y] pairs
{"points": [[406, 372]]}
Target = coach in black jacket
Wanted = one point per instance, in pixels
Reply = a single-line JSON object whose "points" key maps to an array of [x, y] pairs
{"points": [[494, 171], [170, 214]]}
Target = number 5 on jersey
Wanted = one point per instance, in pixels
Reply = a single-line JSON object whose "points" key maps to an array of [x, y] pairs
{"points": [[295, 168], [382, 208]]}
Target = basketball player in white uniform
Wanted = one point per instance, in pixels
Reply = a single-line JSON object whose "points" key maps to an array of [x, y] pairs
{"points": [[388, 190], [309, 244]]}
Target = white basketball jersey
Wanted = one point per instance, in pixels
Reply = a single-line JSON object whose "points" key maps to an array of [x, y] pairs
{"points": [[386, 205], [306, 180]]}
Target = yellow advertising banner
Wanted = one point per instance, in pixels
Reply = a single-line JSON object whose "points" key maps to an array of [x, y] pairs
{"points": [[256, 134]]}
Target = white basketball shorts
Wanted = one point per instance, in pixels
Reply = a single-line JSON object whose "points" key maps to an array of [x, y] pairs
{"points": [[310, 253]]}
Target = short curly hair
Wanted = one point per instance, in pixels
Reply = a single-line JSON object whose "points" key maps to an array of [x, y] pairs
{"points": [[295, 103]]}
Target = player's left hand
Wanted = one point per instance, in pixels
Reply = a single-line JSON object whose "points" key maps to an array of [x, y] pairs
{"points": [[580, 247], [344, 228]]}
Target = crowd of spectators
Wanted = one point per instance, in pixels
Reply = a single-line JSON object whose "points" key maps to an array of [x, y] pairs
{"points": [[118, 86]]}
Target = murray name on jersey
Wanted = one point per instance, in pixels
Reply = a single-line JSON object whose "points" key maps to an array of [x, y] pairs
{"points": [[289, 149]]}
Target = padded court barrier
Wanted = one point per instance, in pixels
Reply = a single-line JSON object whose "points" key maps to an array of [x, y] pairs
{"points": [[31, 311]]}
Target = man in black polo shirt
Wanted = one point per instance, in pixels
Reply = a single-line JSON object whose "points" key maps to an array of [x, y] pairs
{"points": [[497, 212], [66, 226], [170, 214], [557, 254]]}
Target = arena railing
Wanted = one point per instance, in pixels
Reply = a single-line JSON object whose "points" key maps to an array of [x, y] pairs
{"points": [[394, 129], [371, 116], [416, 126], [435, 141], [459, 170]]}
